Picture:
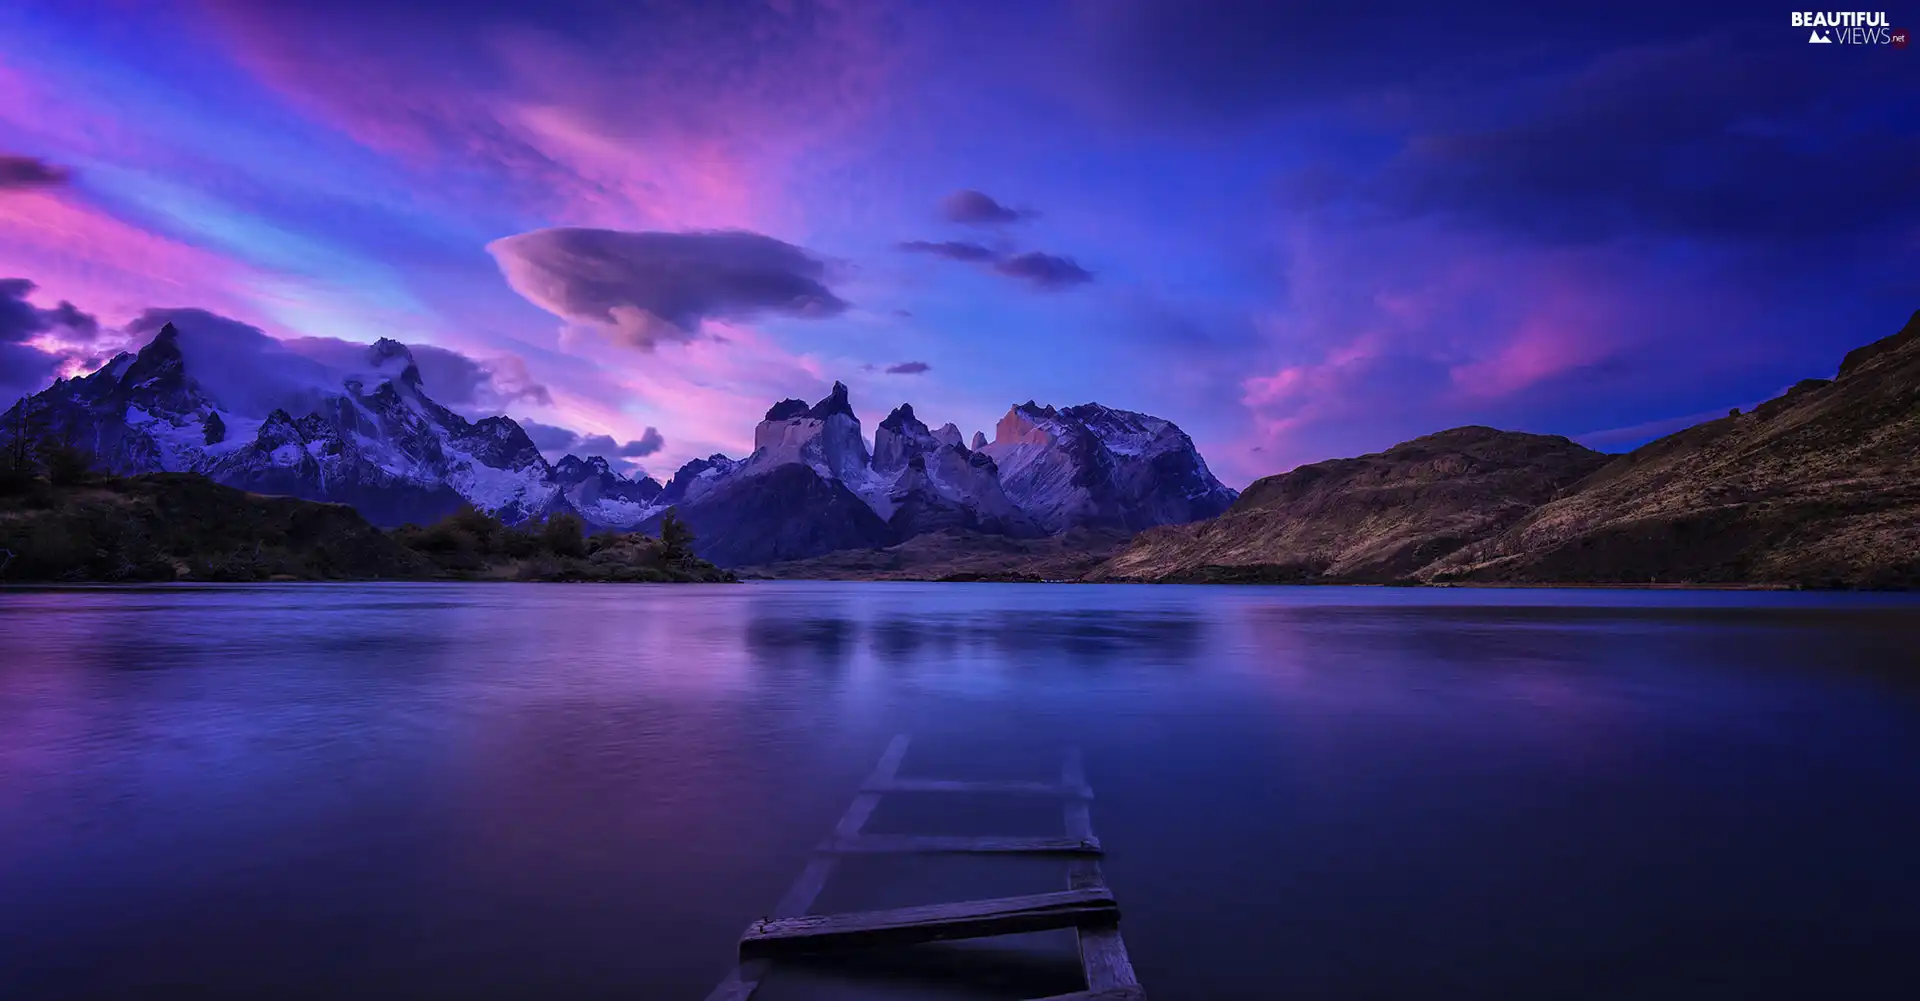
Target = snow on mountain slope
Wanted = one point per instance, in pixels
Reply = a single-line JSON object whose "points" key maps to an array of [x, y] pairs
{"points": [[369, 435], [1098, 466]]}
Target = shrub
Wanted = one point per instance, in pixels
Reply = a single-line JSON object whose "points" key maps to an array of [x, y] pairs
{"points": [[66, 466], [562, 535]]}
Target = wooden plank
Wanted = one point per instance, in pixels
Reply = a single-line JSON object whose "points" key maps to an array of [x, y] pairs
{"points": [[930, 922], [1103, 954], [745, 979], [813, 878], [1111, 994], [999, 788], [902, 844]]}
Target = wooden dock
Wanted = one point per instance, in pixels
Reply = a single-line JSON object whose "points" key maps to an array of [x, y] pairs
{"points": [[1086, 905]]}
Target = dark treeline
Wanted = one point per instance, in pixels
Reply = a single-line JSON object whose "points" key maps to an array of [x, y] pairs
{"points": [[62, 520]]}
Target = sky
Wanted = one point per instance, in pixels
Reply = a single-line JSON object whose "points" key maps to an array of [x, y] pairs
{"points": [[1299, 230]]}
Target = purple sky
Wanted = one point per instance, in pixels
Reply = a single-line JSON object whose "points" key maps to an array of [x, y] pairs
{"points": [[1299, 230]]}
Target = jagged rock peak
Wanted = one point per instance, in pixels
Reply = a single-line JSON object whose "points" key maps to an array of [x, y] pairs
{"points": [[385, 349], [573, 467], [384, 353], [787, 410], [979, 440], [902, 418], [949, 434], [164, 349], [835, 403]]}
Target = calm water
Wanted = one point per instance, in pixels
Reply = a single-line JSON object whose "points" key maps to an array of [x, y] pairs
{"points": [[556, 791]]}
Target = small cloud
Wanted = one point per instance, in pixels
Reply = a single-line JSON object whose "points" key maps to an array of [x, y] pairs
{"points": [[1047, 271], [955, 250], [1044, 270], [19, 173], [558, 440], [21, 320], [649, 442], [909, 368], [547, 437], [975, 208]]}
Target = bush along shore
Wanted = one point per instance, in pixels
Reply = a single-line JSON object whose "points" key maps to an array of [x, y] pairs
{"points": [[62, 523]]}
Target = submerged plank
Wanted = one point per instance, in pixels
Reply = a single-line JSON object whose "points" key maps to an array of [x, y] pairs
{"points": [[814, 877], [903, 844], [1002, 788], [931, 922], [741, 984]]}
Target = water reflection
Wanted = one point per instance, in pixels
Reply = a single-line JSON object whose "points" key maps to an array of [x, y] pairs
{"points": [[534, 791]]}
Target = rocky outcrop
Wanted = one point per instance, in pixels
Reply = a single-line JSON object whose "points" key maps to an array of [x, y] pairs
{"points": [[938, 485], [602, 495], [1379, 517], [1120, 469], [1096, 466], [787, 512]]}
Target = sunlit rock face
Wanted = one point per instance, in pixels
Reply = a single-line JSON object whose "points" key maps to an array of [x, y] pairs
{"points": [[1097, 466]]}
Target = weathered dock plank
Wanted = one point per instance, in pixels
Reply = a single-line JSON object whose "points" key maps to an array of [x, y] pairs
{"points": [[999, 788], [930, 922], [905, 844], [1103, 954]]}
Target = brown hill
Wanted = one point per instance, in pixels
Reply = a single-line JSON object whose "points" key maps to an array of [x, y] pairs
{"points": [[1819, 487], [1378, 517]]}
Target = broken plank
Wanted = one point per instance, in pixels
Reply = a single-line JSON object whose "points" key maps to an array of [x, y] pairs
{"points": [[931, 922], [1004, 788], [904, 844], [1110, 994]]}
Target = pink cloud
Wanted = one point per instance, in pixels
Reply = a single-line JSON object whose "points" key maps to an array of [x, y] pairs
{"points": [[690, 116], [78, 252], [1396, 330]]}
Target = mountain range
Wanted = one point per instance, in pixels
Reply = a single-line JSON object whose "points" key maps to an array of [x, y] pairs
{"points": [[372, 437]]}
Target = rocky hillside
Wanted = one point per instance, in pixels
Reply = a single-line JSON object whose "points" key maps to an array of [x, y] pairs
{"points": [[1374, 518], [1819, 487]]}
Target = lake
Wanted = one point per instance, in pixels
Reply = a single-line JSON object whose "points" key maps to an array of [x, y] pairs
{"points": [[587, 791]]}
